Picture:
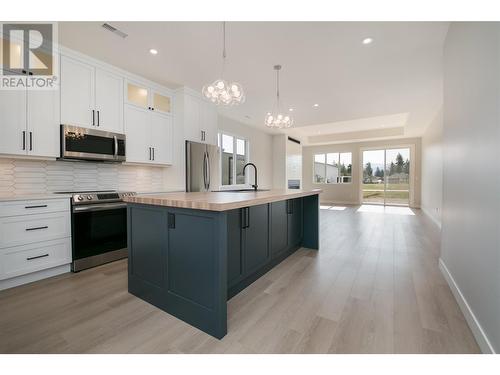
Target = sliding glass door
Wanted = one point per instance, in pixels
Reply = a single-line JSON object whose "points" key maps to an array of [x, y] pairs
{"points": [[386, 176]]}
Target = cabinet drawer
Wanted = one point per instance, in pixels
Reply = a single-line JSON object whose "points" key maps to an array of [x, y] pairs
{"points": [[20, 230], [21, 260], [15, 208]]}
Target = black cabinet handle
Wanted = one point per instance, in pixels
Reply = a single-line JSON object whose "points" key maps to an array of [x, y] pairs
{"points": [[98, 120], [93, 118], [39, 206], [38, 256], [36, 228], [31, 141], [245, 217], [153, 153], [24, 139], [149, 153], [152, 109], [24, 71], [171, 221], [30, 73]]}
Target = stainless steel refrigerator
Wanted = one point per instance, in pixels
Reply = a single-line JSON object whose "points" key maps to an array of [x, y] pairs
{"points": [[202, 167]]}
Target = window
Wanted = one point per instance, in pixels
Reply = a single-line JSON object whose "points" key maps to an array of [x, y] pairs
{"points": [[333, 168], [234, 156]]}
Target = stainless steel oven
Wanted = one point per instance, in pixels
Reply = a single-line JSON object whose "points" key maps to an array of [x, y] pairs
{"points": [[98, 228], [89, 144]]}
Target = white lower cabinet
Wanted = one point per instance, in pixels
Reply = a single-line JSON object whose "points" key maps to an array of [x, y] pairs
{"points": [[35, 240], [149, 136], [21, 260], [18, 230]]}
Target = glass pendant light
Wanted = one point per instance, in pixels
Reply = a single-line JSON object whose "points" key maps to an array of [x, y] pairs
{"points": [[221, 91], [277, 119]]}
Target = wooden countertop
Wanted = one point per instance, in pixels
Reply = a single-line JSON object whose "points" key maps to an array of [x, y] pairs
{"points": [[219, 200]]}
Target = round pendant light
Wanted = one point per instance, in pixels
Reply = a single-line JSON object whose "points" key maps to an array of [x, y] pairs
{"points": [[278, 119], [222, 92]]}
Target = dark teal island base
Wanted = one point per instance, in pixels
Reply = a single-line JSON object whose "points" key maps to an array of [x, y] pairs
{"points": [[189, 262]]}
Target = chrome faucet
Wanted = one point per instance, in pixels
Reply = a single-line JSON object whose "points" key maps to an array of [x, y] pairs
{"points": [[253, 165]]}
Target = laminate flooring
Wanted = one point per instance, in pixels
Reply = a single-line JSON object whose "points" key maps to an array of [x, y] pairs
{"points": [[373, 287]]}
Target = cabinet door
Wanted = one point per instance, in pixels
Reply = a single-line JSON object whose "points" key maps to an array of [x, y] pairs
{"points": [[279, 227], [234, 250], [192, 118], [109, 101], [161, 138], [137, 95], [43, 123], [295, 222], [77, 93], [256, 247], [13, 122], [138, 132], [208, 122], [160, 102]]}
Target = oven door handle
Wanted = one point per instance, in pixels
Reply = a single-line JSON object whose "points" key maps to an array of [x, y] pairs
{"points": [[99, 207]]}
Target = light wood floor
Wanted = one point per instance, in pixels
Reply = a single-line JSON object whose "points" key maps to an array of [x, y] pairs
{"points": [[374, 287]]}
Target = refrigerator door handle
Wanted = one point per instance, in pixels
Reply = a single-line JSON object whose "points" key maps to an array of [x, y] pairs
{"points": [[208, 171], [205, 170]]}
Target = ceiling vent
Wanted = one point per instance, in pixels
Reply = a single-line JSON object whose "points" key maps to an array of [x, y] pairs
{"points": [[114, 30]]}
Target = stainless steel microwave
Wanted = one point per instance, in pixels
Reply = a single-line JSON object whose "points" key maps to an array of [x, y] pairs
{"points": [[89, 144]]}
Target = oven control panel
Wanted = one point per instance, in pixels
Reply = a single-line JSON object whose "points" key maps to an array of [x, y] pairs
{"points": [[99, 197]]}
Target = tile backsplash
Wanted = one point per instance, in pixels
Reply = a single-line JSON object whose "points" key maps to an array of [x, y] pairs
{"points": [[20, 177]]}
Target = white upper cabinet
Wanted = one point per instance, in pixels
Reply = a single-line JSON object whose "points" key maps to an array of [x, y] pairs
{"points": [[197, 117], [90, 97], [29, 121], [109, 101], [144, 97], [77, 93], [149, 136], [162, 138], [43, 123], [13, 122]]}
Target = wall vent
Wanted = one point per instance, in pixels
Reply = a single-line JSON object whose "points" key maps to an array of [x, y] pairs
{"points": [[114, 30]]}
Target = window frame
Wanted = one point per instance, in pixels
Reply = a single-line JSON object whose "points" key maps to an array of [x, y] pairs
{"points": [[337, 161], [235, 148]]}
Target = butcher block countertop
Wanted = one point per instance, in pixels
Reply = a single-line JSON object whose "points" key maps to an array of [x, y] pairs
{"points": [[219, 200]]}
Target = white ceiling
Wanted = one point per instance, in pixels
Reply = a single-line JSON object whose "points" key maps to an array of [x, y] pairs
{"points": [[395, 80]]}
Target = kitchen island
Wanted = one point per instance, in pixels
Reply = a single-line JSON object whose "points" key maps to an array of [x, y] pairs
{"points": [[191, 252]]}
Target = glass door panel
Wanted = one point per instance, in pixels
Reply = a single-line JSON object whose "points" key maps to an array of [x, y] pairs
{"points": [[137, 95], [161, 103], [397, 171], [373, 187]]}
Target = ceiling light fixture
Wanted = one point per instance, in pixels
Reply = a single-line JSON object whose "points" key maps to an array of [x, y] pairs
{"points": [[367, 40], [153, 51], [290, 109], [220, 91], [277, 119], [316, 105]]}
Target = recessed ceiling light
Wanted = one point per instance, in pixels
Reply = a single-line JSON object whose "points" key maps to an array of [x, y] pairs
{"points": [[290, 109], [367, 40], [316, 105], [153, 51]]}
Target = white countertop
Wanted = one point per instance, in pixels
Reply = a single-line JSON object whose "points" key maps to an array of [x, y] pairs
{"points": [[29, 197]]}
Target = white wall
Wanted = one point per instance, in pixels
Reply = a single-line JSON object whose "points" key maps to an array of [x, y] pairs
{"points": [[349, 193], [432, 169], [260, 152], [279, 161], [470, 252]]}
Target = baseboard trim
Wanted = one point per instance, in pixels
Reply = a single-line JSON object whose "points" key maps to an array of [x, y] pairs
{"points": [[433, 219], [338, 202], [35, 276], [477, 330]]}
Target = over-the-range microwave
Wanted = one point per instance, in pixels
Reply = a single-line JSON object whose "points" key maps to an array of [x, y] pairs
{"points": [[79, 143]]}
